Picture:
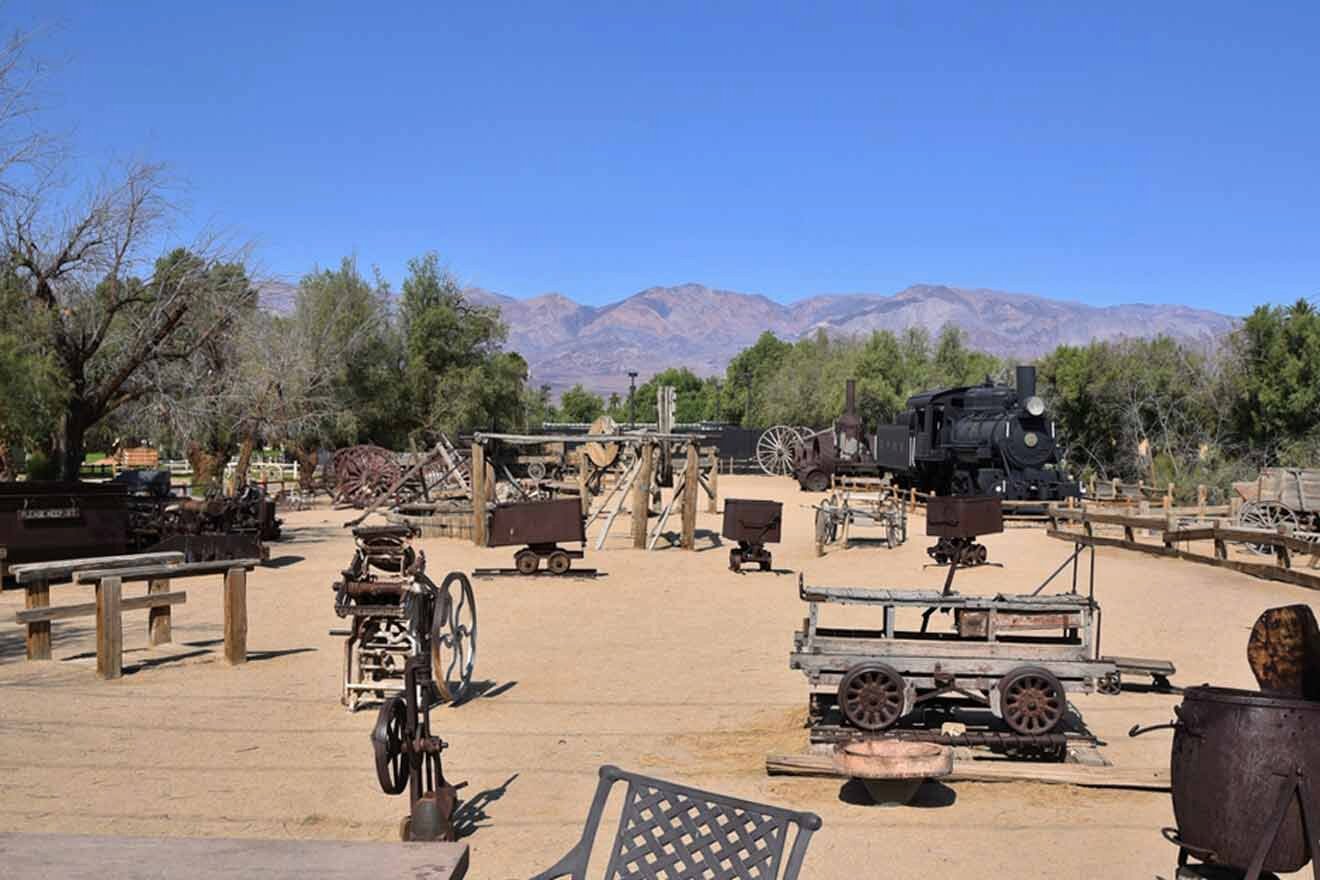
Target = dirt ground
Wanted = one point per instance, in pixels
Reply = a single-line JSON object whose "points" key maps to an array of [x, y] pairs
{"points": [[672, 665]]}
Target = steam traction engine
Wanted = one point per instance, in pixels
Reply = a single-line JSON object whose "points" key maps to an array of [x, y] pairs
{"points": [[399, 614]]}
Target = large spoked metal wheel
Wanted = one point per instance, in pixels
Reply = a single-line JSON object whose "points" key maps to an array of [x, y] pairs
{"points": [[1031, 700], [776, 448], [387, 742], [1266, 515], [871, 696], [454, 637], [826, 526]]}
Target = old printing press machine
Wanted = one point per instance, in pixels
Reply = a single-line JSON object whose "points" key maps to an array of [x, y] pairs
{"points": [[397, 613]]}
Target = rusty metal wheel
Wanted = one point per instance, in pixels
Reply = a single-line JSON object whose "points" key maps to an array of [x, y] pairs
{"points": [[871, 696], [387, 742], [558, 563], [526, 562], [1031, 700], [816, 481], [454, 638], [362, 473]]}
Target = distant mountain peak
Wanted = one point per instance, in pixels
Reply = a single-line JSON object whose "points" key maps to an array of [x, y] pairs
{"points": [[700, 327]]}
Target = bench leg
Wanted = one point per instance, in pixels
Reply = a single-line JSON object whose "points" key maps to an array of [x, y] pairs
{"points": [[109, 629], [236, 616], [158, 619], [38, 632]]}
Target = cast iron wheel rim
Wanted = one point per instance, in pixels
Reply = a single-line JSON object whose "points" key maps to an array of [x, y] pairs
{"points": [[816, 481], [454, 638], [981, 554], [526, 561], [387, 742], [871, 696], [558, 563], [1032, 701]]}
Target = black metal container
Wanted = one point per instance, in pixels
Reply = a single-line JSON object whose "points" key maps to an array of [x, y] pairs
{"points": [[964, 516], [44, 520], [537, 522], [752, 521], [1234, 752]]}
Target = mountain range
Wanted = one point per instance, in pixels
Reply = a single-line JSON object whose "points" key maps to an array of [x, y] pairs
{"points": [[692, 325]]}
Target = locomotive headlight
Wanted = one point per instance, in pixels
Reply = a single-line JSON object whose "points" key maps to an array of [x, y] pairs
{"points": [[1031, 439], [1035, 406]]}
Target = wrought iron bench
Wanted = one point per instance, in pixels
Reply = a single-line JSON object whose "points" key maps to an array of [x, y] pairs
{"points": [[672, 832]]}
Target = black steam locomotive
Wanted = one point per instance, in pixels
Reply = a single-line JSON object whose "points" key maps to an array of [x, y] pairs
{"points": [[978, 440]]}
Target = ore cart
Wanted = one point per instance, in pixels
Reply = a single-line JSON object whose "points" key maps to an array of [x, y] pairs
{"points": [[1017, 655], [753, 524], [542, 526]]}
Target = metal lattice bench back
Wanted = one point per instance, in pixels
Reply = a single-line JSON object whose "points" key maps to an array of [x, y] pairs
{"points": [[672, 832]]}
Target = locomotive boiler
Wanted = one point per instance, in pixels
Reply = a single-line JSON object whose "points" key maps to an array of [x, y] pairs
{"points": [[975, 440]]}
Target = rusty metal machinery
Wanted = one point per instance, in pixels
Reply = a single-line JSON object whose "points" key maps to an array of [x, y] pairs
{"points": [[409, 757], [397, 613], [957, 522], [753, 524], [542, 526]]}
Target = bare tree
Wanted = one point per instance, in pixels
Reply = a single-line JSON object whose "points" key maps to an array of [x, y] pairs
{"points": [[23, 144], [112, 309]]}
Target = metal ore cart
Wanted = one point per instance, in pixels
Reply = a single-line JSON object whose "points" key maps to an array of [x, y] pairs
{"points": [[542, 526]]}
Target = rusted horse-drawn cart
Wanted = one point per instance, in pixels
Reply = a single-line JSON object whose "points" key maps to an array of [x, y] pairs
{"points": [[1286, 498]]}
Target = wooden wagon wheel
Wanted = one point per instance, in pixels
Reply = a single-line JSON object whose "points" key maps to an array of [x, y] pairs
{"points": [[454, 638], [602, 454], [826, 526], [1266, 515], [362, 473], [871, 696], [1031, 700], [776, 448]]}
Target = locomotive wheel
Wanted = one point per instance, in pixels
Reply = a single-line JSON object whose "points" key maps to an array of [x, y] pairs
{"points": [[559, 562], [387, 742], [526, 561], [454, 638], [816, 481], [1031, 700], [871, 696]]}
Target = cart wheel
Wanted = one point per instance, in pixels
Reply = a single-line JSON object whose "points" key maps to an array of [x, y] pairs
{"points": [[816, 481], [1031, 700], [526, 561], [735, 560], [981, 555], [387, 743], [454, 638], [765, 565], [871, 696], [558, 563]]}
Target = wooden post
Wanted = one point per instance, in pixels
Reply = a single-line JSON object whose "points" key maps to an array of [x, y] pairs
{"points": [[1202, 493], [158, 619], [584, 475], [713, 504], [38, 632], [236, 624], [1090, 486], [641, 500], [912, 499], [1168, 497], [109, 629], [1282, 555], [691, 483], [478, 494]]}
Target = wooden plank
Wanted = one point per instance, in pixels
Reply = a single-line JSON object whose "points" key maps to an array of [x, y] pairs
{"points": [[713, 483], [37, 597], [479, 521], [1244, 536], [60, 569], [691, 483], [158, 617], [109, 629], [150, 602], [96, 857], [150, 572], [1266, 571], [641, 500], [236, 624], [1102, 541], [1146, 779]]}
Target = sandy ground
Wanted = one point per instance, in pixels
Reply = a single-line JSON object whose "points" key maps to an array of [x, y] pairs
{"points": [[671, 665]]}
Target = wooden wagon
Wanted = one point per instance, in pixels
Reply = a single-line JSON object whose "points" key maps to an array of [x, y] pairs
{"points": [[1281, 497], [1017, 655]]}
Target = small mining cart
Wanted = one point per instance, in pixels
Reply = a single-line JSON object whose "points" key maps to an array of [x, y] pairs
{"points": [[753, 523], [1017, 655], [542, 526]]}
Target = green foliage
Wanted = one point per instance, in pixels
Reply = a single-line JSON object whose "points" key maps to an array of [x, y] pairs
{"points": [[1277, 404], [577, 404], [40, 466], [32, 390]]}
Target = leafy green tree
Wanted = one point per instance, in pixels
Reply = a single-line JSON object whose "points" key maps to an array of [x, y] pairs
{"points": [[1277, 401], [750, 374], [577, 404]]}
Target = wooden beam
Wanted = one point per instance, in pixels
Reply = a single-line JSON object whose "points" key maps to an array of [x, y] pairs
{"points": [[713, 482], [60, 569], [583, 478], [641, 503], [1147, 779], [152, 601], [691, 483], [1102, 541], [479, 523], [236, 624], [158, 617], [37, 597], [109, 628], [664, 514], [1265, 570], [184, 570]]}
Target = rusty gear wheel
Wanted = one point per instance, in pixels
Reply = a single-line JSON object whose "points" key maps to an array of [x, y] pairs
{"points": [[387, 742]]}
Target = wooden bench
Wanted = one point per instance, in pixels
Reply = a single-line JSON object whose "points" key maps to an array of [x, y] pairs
{"points": [[109, 574], [88, 857]]}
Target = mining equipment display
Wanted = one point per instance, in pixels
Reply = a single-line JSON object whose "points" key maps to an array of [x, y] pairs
{"points": [[753, 523], [541, 526], [976, 440]]}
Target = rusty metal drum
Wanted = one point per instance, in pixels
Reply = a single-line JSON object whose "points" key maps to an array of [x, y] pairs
{"points": [[1234, 751]]}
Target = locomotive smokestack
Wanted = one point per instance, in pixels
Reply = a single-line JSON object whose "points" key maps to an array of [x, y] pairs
{"points": [[850, 406], [1026, 382]]}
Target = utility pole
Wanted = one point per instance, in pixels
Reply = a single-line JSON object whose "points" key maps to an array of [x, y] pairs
{"points": [[632, 400]]}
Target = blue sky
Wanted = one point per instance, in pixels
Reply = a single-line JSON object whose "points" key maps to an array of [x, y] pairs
{"points": [[1161, 152]]}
